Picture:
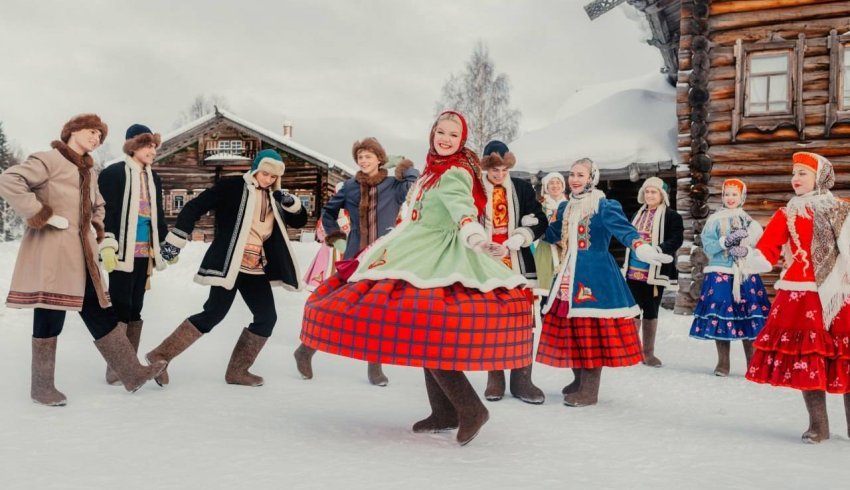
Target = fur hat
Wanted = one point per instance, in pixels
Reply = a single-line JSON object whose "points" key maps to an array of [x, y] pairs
{"points": [[497, 154], [824, 172], [84, 121], [371, 145], [740, 185], [139, 136], [270, 161], [658, 184], [553, 176]]}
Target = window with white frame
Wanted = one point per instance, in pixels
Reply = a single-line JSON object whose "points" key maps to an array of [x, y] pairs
{"points": [[769, 83], [233, 147], [176, 201]]}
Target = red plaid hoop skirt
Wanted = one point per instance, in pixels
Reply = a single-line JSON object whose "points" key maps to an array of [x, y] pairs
{"points": [[587, 342], [795, 351], [392, 322]]}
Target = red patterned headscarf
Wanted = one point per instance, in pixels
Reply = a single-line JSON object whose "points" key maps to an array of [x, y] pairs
{"points": [[436, 164]]}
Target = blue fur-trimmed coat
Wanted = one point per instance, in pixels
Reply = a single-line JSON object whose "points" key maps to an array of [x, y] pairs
{"points": [[233, 200], [598, 289]]}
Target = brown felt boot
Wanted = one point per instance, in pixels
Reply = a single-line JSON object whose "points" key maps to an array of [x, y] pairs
{"points": [[574, 386], [443, 415], [495, 390], [180, 339], [748, 352], [722, 368], [523, 388], [244, 354], [818, 422], [376, 375], [588, 393], [471, 413], [42, 389], [304, 361], [120, 356], [650, 328], [847, 411], [134, 335]]}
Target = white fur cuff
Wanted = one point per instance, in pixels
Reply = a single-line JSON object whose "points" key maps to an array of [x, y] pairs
{"points": [[756, 262], [527, 236], [296, 206], [470, 229], [109, 241], [175, 240]]}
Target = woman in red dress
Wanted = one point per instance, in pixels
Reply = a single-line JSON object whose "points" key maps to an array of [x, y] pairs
{"points": [[805, 343]]}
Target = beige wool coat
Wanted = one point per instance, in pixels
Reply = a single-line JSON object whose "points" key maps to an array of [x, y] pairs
{"points": [[51, 267]]}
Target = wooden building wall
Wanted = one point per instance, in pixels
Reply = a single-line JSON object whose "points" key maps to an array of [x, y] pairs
{"points": [[715, 38]]}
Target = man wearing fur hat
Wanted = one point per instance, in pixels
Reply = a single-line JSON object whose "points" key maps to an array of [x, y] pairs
{"points": [[372, 200], [660, 226], [135, 225], [514, 219], [249, 254], [57, 270]]}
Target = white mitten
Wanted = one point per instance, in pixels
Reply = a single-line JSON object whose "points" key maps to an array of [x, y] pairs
{"points": [[646, 253], [58, 222], [528, 220], [515, 242]]}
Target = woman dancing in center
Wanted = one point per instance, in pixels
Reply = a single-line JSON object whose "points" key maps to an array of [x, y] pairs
{"points": [[430, 293]]}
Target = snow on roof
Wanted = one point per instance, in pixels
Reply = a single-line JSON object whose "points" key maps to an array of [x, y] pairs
{"points": [[287, 142], [221, 157], [615, 124], [279, 139]]}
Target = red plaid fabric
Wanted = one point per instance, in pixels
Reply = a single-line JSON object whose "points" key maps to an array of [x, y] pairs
{"points": [[588, 342], [794, 350], [392, 322]]}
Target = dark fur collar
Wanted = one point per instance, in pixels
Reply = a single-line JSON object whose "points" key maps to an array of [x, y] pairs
{"points": [[83, 162], [376, 179]]}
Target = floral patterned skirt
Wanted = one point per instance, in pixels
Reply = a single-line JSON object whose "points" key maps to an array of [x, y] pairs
{"points": [[794, 349], [717, 315]]}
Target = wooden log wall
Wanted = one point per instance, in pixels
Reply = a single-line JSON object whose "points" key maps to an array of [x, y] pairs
{"points": [[706, 92]]}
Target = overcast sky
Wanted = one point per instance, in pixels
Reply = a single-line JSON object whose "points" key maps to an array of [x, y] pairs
{"points": [[339, 70]]}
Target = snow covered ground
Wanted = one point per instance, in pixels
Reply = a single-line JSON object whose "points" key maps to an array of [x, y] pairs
{"points": [[675, 427]]}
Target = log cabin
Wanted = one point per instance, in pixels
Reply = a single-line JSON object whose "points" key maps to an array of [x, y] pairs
{"points": [[195, 156], [756, 81]]}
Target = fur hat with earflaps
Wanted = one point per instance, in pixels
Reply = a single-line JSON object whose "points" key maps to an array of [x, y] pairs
{"points": [[497, 154], [139, 136], [269, 161], [658, 184], [370, 145], [84, 121]]}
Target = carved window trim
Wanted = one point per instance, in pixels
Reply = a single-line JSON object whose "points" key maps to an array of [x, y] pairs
{"points": [[836, 111], [795, 116]]}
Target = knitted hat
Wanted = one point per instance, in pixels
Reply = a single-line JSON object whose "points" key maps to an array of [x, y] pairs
{"points": [[497, 154], [552, 176], [139, 136], [84, 121], [658, 184], [270, 161], [740, 185], [371, 145], [824, 173]]}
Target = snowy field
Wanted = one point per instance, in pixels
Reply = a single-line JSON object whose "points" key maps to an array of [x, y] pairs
{"points": [[675, 427]]}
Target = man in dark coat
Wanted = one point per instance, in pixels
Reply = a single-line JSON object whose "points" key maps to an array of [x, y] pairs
{"points": [[249, 253], [515, 219], [372, 199], [134, 225]]}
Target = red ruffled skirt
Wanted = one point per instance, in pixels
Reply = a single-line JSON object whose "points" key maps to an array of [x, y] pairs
{"points": [[794, 350], [587, 342], [392, 322]]}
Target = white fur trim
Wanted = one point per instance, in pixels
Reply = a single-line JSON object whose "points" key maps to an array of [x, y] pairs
{"points": [[488, 285], [722, 242], [469, 229], [109, 241], [175, 240], [757, 263], [272, 166], [719, 268], [795, 285], [296, 206], [627, 312]]}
